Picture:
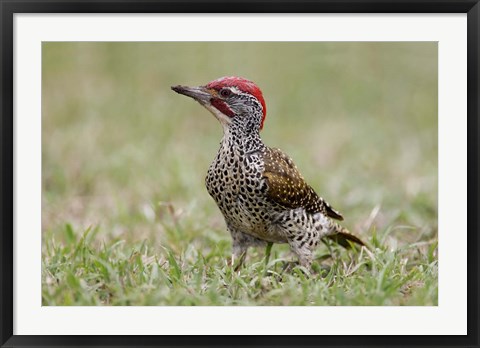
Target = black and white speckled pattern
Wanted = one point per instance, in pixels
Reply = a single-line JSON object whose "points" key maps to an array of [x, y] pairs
{"points": [[260, 192]]}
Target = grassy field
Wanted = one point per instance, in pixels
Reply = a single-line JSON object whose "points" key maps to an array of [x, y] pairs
{"points": [[126, 219]]}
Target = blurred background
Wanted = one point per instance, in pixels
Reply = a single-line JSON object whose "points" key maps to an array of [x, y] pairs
{"points": [[124, 154]]}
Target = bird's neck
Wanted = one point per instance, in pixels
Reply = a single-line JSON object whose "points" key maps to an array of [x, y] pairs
{"points": [[242, 139]]}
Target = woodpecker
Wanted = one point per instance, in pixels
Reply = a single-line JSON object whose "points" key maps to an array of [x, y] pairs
{"points": [[259, 190]]}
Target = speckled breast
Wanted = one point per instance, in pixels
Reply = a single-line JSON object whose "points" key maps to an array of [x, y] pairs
{"points": [[236, 184]]}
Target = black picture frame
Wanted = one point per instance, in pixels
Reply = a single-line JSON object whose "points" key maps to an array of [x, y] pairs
{"points": [[9, 8]]}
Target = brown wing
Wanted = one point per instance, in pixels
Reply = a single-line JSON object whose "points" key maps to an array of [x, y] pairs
{"points": [[287, 187]]}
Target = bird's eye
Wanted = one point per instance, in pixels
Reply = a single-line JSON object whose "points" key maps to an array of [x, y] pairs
{"points": [[225, 92]]}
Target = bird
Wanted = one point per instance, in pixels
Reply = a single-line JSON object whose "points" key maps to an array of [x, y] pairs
{"points": [[259, 190]]}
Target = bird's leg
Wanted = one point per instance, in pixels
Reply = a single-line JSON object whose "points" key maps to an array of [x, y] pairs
{"points": [[239, 254], [305, 258], [301, 237], [304, 253], [240, 243]]}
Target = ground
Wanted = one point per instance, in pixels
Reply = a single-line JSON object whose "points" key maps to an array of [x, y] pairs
{"points": [[126, 219]]}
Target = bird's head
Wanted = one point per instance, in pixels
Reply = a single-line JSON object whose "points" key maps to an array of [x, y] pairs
{"points": [[232, 100]]}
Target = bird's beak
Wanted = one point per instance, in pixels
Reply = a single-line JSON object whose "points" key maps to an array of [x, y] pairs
{"points": [[200, 94]]}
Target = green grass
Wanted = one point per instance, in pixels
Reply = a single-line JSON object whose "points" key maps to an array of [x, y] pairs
{"points": [[126, 219]]}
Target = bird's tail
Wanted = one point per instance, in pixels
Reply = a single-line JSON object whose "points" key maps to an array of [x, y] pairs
{"points": [[344, 237]]}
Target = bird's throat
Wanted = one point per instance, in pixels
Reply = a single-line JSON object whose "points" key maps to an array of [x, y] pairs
{"points": [[238, 140]]}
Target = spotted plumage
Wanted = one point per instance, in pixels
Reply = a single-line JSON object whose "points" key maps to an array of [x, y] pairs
{"points": [[259, 190]]}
